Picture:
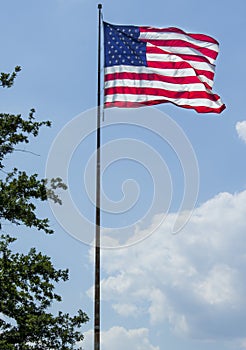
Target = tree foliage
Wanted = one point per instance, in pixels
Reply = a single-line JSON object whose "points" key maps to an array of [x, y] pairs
{"points": [[27, 281], [7, 79]]}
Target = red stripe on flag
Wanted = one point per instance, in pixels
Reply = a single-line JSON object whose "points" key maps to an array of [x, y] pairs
{"points": [[181, 43], [179, 65], [152, 77], [127, 104], [160, 92], [169, 64], [156, 77], [155, 49]]}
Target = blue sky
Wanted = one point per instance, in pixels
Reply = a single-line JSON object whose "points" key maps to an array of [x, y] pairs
{"points": [[169, 291]]}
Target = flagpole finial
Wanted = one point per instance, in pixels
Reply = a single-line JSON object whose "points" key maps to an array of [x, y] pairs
{"points": [[99, 6]]}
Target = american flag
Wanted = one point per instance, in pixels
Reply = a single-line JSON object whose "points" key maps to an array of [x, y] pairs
{"points": [[148, 66]]}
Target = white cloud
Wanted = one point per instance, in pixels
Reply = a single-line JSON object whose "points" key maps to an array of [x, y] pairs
{"points": [[193, 280], [219, 286], [157, 306], [121, 339], [241, 130], [126, 310]]}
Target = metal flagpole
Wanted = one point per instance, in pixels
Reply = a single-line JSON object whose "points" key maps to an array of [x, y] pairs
{"points": [[98, 190]]}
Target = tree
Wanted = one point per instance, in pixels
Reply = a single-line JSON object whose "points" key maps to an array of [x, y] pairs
{"points": [[27, 280]]}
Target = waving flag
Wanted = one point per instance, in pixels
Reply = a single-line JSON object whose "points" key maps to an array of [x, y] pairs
{"points": [[148, 66]]}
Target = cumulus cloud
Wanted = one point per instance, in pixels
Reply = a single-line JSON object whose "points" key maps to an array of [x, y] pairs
{"points": [[241, 130], [126, 310], [120, 338], [193, 280]]}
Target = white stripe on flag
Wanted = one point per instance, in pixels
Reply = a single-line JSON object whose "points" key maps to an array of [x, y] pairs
{"points": [[174, 73], [172, 58], [155, 85], [197, 102], [177, 36]]}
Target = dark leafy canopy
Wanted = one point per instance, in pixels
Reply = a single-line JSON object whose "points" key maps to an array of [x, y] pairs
{"points": [[27, 280], [27, 290], [15, 130], [18, 190], [7, 79]]}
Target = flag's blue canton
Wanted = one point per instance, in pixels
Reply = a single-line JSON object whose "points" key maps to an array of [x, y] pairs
{"points": [[122, 46]]}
